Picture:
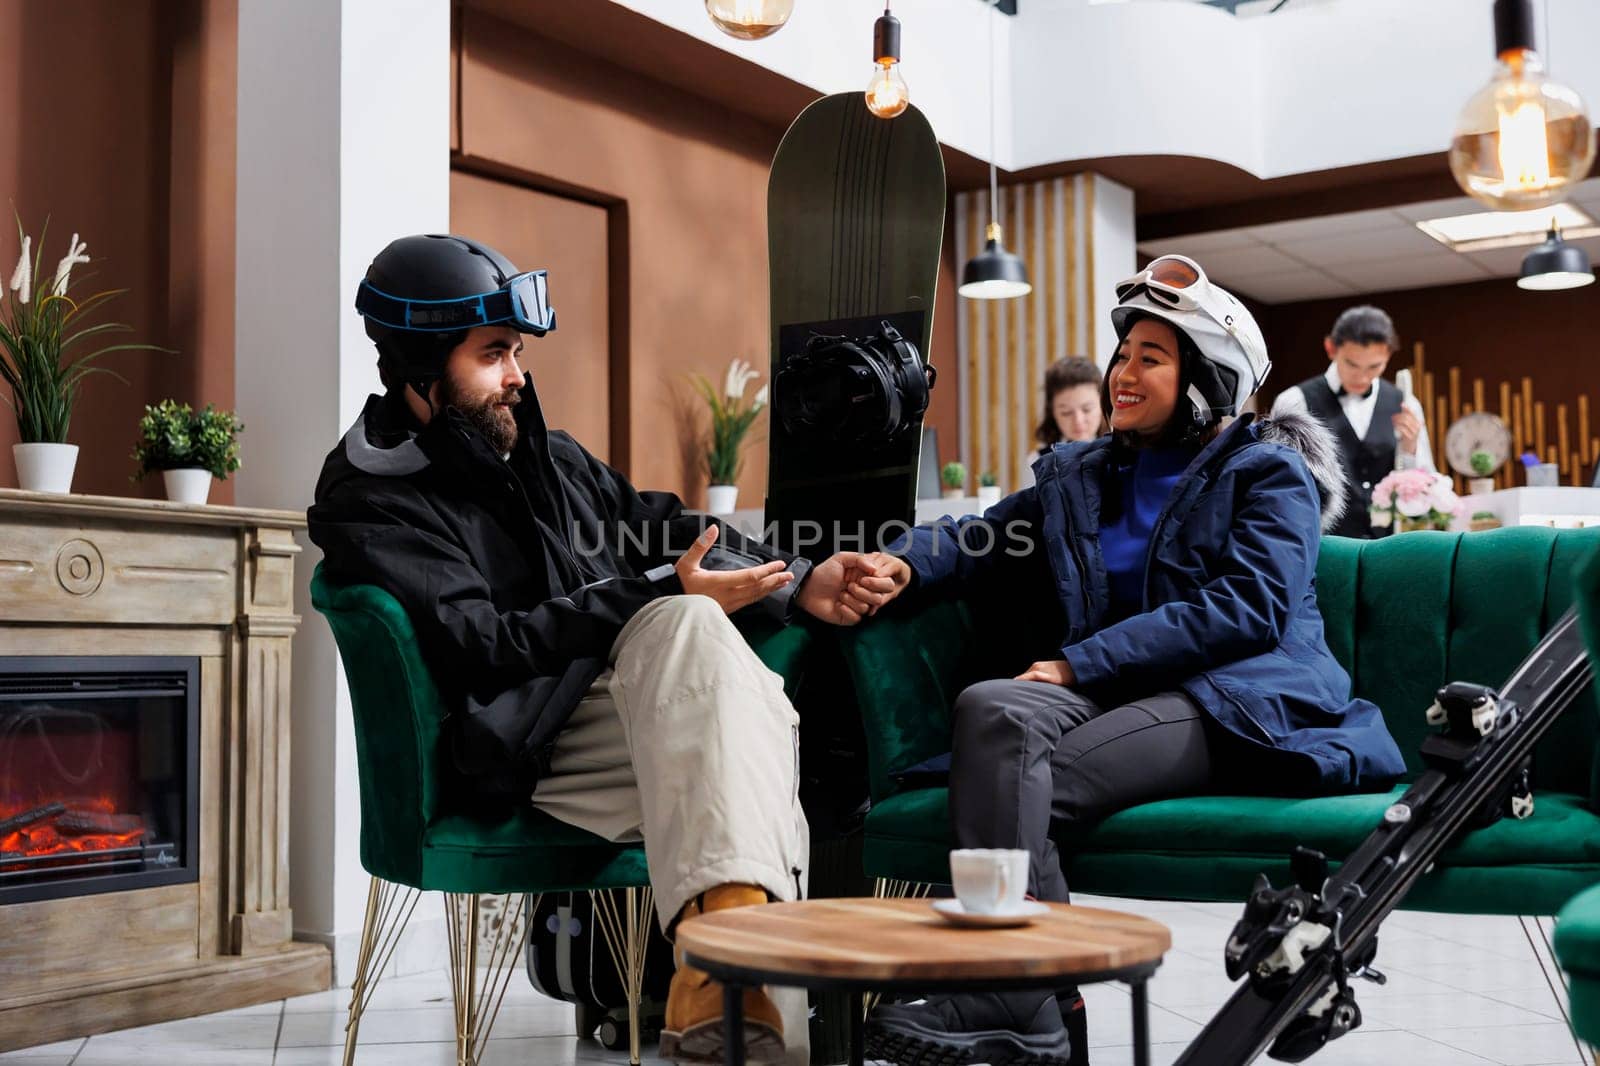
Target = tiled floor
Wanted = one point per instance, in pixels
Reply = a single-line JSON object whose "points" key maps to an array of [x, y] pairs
{"points": [[1461, 991]]}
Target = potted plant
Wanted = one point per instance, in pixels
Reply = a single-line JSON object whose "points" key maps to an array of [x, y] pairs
{"points": [[988, 489], [1482, 465], [189, 447], [1484, 520], [1415, 499], [954, 478], [731, 418], [41, 323]]}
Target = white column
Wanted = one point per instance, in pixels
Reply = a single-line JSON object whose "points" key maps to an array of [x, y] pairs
{"points": [[1111, 229], [344, 144]]}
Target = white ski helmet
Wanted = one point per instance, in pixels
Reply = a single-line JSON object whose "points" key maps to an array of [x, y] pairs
{"points": [[1174, 289]]}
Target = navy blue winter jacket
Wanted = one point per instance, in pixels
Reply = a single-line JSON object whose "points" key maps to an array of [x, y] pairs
{"points": [[1230, 608]]}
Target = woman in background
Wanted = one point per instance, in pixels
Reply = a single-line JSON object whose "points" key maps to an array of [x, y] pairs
{"points": [[1071, 409]]}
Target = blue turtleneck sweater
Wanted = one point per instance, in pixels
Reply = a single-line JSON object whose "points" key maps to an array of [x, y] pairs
{"points": [[1143, 488]]}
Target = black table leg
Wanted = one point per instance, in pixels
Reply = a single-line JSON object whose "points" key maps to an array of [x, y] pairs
{"points": [[858, 1029], [732, 1024], [1141, 1024]]}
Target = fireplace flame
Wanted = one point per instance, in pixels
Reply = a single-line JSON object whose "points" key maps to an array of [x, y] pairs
{"points": [[76, 825]]}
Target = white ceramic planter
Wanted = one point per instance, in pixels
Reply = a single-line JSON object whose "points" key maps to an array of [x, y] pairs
{"points": [[1478, 486], [45, 467], [190, 484], [988, 495], [722, 499], [955, 494]]}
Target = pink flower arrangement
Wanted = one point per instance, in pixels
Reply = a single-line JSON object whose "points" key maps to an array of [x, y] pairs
{"points": [[1424, 497]]}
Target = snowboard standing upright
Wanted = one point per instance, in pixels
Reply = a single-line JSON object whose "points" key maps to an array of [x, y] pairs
{"points": [[855, 219]]}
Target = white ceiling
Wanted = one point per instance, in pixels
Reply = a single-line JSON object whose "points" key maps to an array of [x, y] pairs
{"points": [[1358, 252]]}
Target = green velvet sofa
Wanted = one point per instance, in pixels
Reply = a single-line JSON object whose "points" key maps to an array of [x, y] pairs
{"points": [[1403, 615], [1577, 937]]}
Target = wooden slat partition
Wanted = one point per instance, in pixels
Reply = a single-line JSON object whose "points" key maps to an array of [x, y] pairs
{"points": [[1568, 439]]}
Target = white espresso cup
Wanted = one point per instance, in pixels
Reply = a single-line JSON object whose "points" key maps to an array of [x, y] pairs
{"points": [[989, 880]]}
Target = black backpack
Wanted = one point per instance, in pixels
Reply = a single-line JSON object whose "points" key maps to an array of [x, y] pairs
{"points": [[568, 960]]}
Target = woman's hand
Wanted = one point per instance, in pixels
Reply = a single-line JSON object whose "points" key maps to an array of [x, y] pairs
{"points": [[732, 589], [848, 586], [1051, 672], [879, 580]]}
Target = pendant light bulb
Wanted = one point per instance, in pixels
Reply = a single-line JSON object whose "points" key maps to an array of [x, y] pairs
{"points": [[1522, 141], [887, 94], [749, 20]]}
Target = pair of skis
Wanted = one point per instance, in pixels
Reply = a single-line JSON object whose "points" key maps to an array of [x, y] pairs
{"points": [[1301, 947]]}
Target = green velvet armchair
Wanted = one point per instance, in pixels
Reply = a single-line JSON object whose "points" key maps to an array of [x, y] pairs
{"points": [[412, 840]]}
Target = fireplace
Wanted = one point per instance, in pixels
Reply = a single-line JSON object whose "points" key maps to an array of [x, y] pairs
{"points": [[144, 764], [99, 774]]}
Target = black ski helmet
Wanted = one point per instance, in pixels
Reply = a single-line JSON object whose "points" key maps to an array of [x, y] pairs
{"points": [[422, 293]]}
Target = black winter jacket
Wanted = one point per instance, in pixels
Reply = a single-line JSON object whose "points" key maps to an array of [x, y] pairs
{"points": [[518, 573]]}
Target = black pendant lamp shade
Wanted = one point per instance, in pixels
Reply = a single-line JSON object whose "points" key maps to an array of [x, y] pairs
{"points": [[1555, 264], [994, 273]]}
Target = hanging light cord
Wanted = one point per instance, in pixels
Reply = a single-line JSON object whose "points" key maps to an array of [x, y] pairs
{"points": [[994, 196]]}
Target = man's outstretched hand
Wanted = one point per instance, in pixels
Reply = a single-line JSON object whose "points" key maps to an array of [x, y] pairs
{"points": [[849, 586], [732, 589]]}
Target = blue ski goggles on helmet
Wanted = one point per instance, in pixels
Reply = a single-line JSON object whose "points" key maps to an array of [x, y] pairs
{"points": [[523, 302]]}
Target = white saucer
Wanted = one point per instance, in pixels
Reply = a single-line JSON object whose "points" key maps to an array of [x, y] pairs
{"points": [[951, 910]]}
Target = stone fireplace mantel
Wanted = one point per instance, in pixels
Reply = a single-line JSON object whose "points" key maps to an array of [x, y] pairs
{"points": [[96, 575]]}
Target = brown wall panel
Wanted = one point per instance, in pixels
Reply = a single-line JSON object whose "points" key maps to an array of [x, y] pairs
{"points": [[693, 177], [685, 180], [570, 365], [118, 125]]}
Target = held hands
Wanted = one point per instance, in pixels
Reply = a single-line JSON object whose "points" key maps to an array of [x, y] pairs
{"points": [[1407, 427], [1051, 672], [849, 586], [732, 589]]}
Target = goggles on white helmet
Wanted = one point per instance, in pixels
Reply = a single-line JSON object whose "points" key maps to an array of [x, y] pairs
{"points": [[1174, 289]]}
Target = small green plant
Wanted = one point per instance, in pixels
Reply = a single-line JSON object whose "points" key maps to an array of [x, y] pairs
{"points": [[173, 436], [988, 480], [1480, 515], [41, 322], [1482, 463], [731, 418], [953, 475]]}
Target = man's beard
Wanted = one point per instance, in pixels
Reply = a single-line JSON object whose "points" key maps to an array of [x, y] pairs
{"points": [[481, 410]]}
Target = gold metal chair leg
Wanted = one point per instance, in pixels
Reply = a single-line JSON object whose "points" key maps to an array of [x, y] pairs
{"points": [[478, 1003], [389, 908], [626, 936]]}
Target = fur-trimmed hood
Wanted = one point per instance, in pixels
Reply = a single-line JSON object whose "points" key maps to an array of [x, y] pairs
{"points": [[1320, 451]]}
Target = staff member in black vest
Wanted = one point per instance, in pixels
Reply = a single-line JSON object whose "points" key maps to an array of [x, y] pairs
{"points": [[1373, 423]]}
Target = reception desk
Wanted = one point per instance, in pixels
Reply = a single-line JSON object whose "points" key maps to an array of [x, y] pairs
{"points": [[1560, 507]]}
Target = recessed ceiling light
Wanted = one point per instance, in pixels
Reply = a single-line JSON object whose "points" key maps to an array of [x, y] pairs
{"points": [[1508, 229]]}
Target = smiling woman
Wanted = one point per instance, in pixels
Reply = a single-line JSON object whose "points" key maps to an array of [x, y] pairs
{"points": [[1186, 655]]}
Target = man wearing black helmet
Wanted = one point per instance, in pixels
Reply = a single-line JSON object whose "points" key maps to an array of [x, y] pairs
{"points": [[577, 628]]}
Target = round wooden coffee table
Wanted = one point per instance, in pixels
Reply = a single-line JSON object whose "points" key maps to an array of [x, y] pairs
{"points": [[901, 945]]}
